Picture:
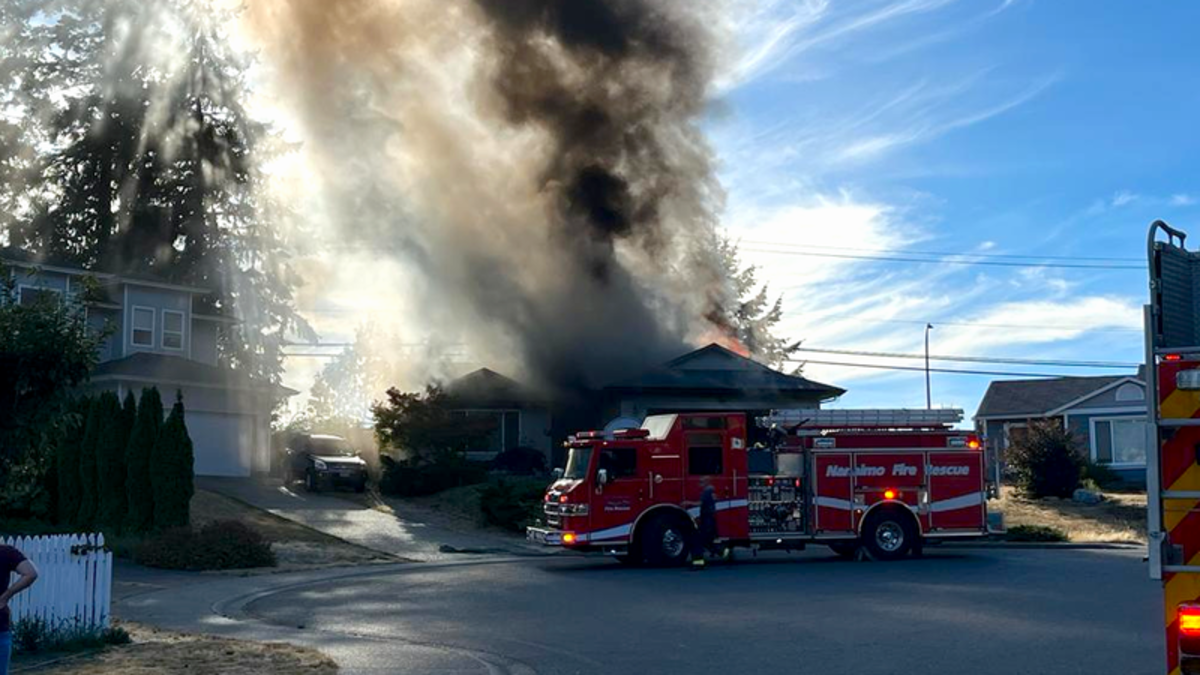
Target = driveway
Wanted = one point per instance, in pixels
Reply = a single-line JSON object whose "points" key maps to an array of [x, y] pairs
{"points": [[407, 535]]}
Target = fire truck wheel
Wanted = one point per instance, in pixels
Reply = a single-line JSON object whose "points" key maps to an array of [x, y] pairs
{"points": [[888, 534], [664, 541]]}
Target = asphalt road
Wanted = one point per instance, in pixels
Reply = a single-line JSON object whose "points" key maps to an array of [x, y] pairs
{"points": [[954, 611]]}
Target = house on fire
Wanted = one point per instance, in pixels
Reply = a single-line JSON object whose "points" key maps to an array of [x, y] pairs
{"points": [[711, 378], [161, 336]]}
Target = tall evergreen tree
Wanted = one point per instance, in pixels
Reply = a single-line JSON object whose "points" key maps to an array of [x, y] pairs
{"points": [[139, 516], [155, 164], [110, 463], [172, 471], [128, 418], [95, 427], [752, 315], [69, 452]]}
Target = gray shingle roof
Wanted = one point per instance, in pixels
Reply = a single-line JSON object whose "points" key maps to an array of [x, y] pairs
{"points": [[485, 388], [739, 374], [1013, 398]]}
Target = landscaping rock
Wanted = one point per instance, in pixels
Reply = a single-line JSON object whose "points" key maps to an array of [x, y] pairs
{"points": [[1087, 497]]}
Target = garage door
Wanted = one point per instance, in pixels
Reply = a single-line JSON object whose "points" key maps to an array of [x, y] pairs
{"points": [[223, 443]]}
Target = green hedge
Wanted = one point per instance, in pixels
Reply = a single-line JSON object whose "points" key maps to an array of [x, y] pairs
{"points": [[512, 504], [415, 478]]}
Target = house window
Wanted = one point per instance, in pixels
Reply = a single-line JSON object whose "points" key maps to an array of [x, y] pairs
{"points": [[172, 329], [705, 454], [1014, 433], [1130, 392], [142, 327], [31, 295], [619, 462], [1119, 440]]}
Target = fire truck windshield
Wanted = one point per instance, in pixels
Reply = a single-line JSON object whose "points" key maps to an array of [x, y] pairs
{"points": [[577, 463]]}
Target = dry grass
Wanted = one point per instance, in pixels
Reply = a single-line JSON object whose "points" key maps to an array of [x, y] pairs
{"points": [[296, 546], [1121, 517], [155, 651]]}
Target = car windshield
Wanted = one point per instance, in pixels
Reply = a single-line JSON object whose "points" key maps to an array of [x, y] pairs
{"points": [[330, 447], [577, 463]]}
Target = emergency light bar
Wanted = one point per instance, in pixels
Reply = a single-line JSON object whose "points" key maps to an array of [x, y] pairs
{"points": [[882, 418]]}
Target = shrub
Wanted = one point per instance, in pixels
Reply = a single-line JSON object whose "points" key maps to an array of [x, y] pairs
{"points": [[511, 504], [219, 545], [1047, 461], [1035, 533], [520, 461], [419, 477], [1103, 476], [172, 471], [35, 635], [93, 429], [110, 462], [139, 516]]}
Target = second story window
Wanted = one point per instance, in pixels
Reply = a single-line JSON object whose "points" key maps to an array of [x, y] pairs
{"points": [[142, 329], [172, 329], [32, 295]]}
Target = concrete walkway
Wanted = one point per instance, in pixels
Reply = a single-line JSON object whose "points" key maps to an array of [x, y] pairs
{"points": [[411, 537], [215, 605]]}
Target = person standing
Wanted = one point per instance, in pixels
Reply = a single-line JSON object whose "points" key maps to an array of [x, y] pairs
{"points": [[706, 531], [11, 560]]}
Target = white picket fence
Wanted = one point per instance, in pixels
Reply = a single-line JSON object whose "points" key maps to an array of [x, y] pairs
{"points": [[74, 586]]}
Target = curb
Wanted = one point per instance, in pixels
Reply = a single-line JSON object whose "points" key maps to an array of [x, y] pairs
{"points": [[1044, 545]]}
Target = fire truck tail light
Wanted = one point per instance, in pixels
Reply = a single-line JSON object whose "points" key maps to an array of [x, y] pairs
{"points": [[1172, 357], [1189, 620], [890, 494]]}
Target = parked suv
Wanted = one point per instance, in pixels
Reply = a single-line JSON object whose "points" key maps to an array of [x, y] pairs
{"points": [[322, 461]]}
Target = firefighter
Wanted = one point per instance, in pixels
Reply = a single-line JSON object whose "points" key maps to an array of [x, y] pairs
{"points": [[706, 532]]}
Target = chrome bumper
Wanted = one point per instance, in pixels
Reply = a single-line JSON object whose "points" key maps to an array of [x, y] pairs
{"points": [[543, 536]]}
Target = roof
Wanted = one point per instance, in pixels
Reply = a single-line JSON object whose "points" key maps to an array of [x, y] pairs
{"points": [[26, 259], [485, 388], [1017, 398], [173, 369], [715, 368]]}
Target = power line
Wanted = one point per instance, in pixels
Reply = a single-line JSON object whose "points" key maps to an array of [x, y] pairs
{"points": [[994, 263], [976, 359], [950, 371], [941, 253], [1050, 327]]}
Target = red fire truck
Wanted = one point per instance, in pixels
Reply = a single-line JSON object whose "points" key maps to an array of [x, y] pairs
{"points": [[883, 480]]}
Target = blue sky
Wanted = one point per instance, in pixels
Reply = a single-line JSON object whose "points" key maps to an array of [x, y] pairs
{"points": [[1005, 128]]}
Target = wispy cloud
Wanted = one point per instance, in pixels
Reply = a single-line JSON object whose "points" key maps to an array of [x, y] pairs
{"points": [[1182, 200]]}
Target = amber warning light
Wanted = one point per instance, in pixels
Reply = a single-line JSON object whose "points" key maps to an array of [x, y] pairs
{"points": [[889, 494], [1189, 620]]}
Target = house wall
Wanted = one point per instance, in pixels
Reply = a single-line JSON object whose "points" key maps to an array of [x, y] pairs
{"points": [[41, 279], [101, 318], [1080, 425], [157, 300], [204, 341]]}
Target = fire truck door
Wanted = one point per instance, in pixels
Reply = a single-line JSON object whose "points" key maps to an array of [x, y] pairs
{"points": [[627, 490]]}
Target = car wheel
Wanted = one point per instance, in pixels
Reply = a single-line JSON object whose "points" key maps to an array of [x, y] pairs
{"points": [[845, 550], [888, 534], [311, 482], [664, 541]]}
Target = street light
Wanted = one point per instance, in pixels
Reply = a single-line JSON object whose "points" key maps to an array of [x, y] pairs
{"points": [[928, 396]]}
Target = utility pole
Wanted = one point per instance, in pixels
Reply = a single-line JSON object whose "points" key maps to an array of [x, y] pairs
{"points": [[928, 395]]}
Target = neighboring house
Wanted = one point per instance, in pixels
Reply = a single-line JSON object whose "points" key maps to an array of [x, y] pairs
{"points": [[713, 378], [521, 418], [1107, 414], [161, 338]]}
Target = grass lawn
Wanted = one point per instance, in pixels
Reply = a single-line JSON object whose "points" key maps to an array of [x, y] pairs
{"points": [[155, 651], [295, 545], [1121, 517]]}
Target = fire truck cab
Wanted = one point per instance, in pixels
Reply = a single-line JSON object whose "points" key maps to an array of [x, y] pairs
{"points": [[885, 481]]}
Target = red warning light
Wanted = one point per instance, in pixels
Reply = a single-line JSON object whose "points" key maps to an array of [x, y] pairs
{"points": [[1173, 357], [1189, 620]]}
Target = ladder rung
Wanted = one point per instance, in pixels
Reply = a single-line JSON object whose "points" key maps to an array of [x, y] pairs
{"points": [[863, 417]]}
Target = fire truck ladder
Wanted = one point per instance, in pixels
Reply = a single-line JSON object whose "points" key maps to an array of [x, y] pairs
{"points": [[863, 418]]}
